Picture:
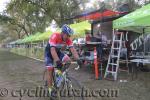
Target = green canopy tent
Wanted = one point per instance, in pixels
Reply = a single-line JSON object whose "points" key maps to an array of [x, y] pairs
{"points": [[30, 38], [137, 21], [18, 41], [79, 29], [44, 36]]}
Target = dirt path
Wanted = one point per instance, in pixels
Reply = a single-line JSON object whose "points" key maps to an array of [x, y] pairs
{"points": [[18, 72]]}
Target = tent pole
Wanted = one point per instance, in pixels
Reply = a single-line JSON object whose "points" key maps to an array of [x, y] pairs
{"points": [[144, 41], [43, 43], [31, 49]]}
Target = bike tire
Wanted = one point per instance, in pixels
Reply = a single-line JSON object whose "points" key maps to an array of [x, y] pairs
{"points": [[70, 89]]}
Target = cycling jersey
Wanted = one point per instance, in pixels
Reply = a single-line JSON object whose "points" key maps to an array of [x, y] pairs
{"points": [[57, 42]]}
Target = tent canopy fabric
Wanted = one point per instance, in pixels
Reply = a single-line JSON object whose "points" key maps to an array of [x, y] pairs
{"points": [[31, 38], [79, 30], [137, 21], [44, 36], [98, 14]]}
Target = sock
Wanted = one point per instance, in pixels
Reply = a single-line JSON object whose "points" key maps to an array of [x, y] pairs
{"points": [[50, 90]]}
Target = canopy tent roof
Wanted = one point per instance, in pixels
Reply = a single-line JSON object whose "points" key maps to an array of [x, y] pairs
{"points": [[98, 14], [137, 21], [79, 30], [13, 42], [43, 36], [30, 38], [18, 41]]}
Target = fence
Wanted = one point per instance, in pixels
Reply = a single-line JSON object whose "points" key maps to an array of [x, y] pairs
{"points": [[32, 50]]}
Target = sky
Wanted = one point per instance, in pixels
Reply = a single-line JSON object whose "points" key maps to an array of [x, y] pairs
{"points": [[3, 5]]}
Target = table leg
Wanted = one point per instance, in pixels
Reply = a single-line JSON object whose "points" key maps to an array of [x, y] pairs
{"points": [[133, 70]]}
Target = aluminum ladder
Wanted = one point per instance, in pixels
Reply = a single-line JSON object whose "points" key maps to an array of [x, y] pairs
{"points": [[114, 57]]}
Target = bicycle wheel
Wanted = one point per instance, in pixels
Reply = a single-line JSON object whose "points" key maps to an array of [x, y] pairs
{"points": [[70, 89]]}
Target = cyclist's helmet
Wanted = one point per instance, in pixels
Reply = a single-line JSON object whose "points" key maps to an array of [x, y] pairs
{"points": [[67, 30]]}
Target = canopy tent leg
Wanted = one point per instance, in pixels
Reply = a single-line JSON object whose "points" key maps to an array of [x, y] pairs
{"points": [[31, 50], [43, 43], [143, 42]]}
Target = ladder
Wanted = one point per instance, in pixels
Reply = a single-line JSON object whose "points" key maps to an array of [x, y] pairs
{"points": [[114, 57]]}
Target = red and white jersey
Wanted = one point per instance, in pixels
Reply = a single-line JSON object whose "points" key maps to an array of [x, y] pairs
{"points": [[56, 41]]}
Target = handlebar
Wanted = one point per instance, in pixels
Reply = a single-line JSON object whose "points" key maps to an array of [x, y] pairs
{"points": [[67, 64]]}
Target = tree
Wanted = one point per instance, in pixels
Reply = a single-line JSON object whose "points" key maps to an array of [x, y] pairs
{"points": [[31, 16], [26, 17]]}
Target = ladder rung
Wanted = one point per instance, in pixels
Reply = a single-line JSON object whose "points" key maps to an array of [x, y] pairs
{"points": [[113, 64], [111, 72], [113, 56], [123, 61], [115, 48], [117, 40]]}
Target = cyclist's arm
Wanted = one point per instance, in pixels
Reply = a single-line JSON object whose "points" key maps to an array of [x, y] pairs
{"points": [[72, 49], [53, 42], [54, 54], [74, 52]]}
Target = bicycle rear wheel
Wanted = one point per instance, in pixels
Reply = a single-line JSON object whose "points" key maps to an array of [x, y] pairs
{"points": [[70, 89]]}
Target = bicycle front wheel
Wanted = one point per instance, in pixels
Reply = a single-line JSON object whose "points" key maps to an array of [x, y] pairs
{"points": [[70, 89]]}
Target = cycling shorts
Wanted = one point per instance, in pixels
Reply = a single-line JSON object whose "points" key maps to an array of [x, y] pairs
{"points": [[49, 62]]}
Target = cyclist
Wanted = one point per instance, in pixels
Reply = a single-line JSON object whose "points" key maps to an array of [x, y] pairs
{"points": [[53, 54]]}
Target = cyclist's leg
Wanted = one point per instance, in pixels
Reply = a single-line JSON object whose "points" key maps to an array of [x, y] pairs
{"points": [[49, 71]]}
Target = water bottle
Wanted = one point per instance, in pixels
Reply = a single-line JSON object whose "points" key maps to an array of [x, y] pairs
{"points": [[59, 77]]}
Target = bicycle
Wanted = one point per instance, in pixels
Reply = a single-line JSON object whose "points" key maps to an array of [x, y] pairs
{"points": [[67, 88]]}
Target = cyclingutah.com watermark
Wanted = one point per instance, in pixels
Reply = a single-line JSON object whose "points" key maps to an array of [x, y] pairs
{"points": [[43, 92]]}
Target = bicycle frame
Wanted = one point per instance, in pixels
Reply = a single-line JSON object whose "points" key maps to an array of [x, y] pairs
{"points": [[68, 83], [64, 74]]}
